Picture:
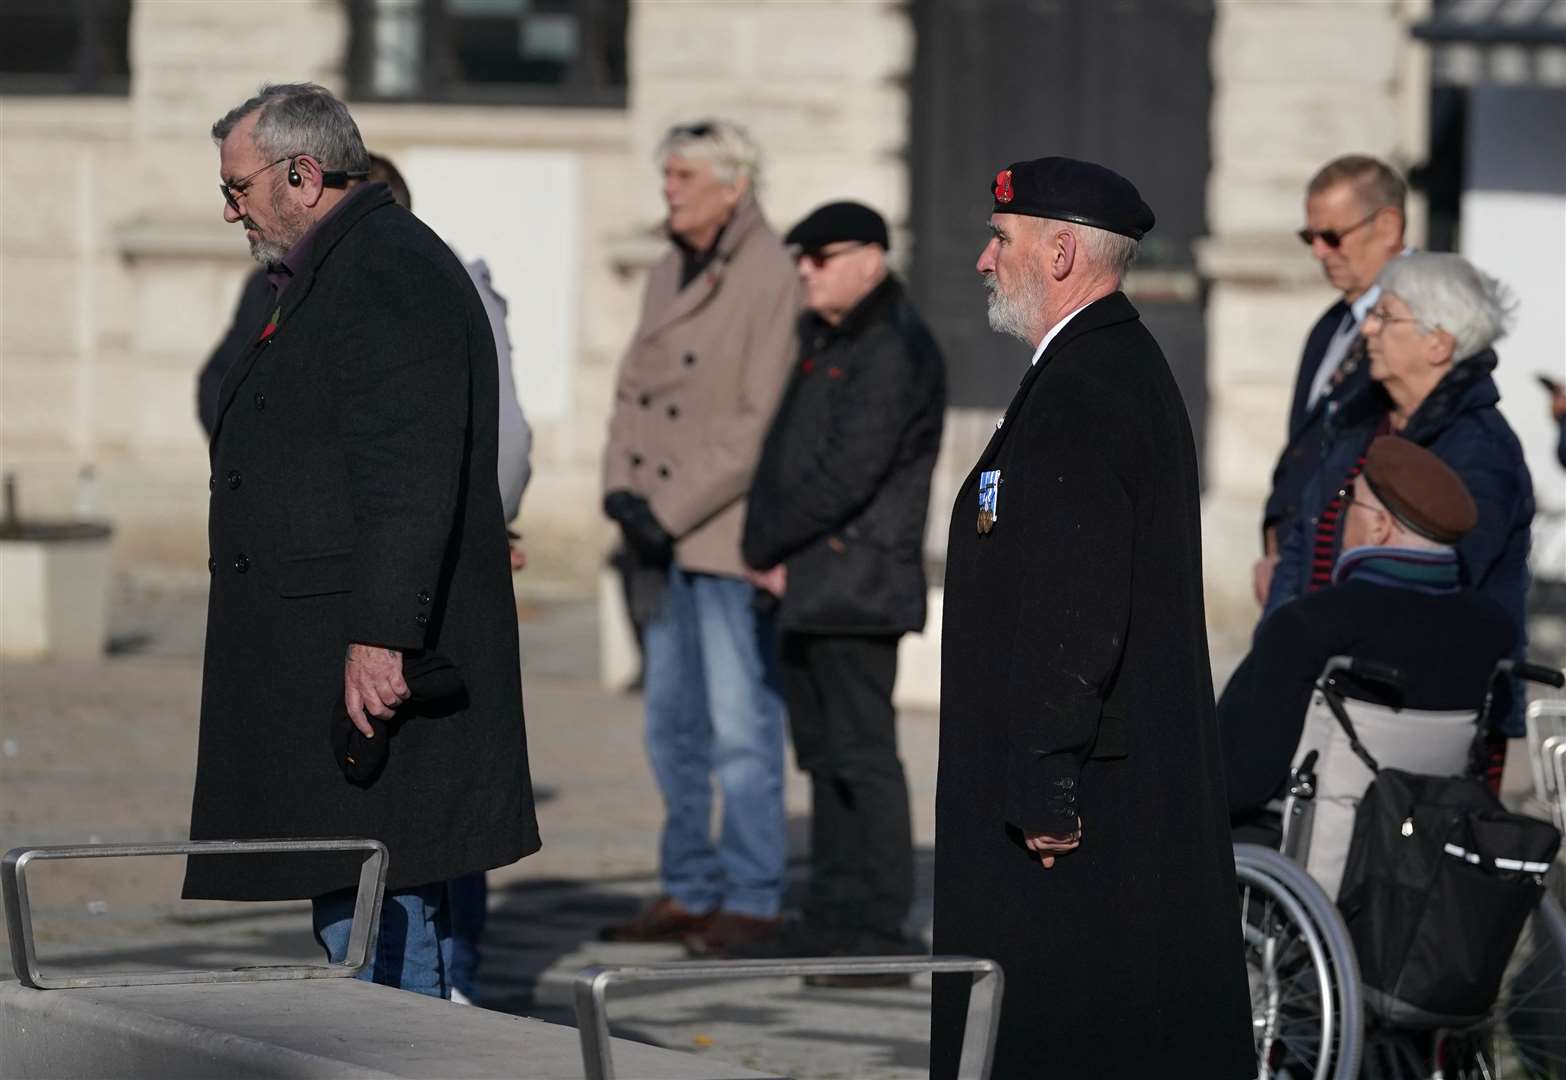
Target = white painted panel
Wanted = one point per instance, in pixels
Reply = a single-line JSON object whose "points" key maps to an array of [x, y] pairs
{"points": [[520, 212], [1514, 227]]}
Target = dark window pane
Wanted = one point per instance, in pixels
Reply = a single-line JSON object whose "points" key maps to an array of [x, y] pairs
{"points": [[60, 46]]}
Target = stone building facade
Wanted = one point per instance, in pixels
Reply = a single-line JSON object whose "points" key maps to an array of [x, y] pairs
{"points": [[119, 273]]}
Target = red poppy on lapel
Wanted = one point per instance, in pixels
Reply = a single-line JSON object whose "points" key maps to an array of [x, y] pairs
{"points": [[834, 372], [271, 325], [808, 365]]}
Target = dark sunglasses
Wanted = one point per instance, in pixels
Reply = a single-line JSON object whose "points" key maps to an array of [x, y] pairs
{"points": [[819, 258], [1332, 237]]}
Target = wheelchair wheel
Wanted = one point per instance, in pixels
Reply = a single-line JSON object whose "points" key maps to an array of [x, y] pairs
{"points": [[1525, 1035], [1306, 1016]]}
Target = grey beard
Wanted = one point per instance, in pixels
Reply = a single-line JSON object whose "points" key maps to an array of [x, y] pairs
{"points": [[267, 252], [1010, 315]]}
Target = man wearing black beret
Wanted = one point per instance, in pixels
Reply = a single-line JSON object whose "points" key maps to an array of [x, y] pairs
{"points": [[834, 529], [1081, 827]]}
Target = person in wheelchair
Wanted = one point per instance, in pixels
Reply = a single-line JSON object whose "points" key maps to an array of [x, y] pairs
{"points": [[1397, 598]]}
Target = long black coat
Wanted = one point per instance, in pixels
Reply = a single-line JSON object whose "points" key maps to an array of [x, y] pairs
{"points": [[354, 500], [843, 486], [1075, 683]]}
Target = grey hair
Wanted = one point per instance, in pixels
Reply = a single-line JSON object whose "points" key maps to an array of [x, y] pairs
{"points": [[727, 145], [1446, 292], [1109, 251], [300, 118]]}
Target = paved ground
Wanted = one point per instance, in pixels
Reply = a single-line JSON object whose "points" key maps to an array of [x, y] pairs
{"points": [[106, 753]]}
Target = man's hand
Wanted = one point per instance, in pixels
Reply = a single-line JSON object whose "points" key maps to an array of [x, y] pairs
{"points": [[1261, 577], [1046, 847], [644, 533], [372, 683], [774, 581]]}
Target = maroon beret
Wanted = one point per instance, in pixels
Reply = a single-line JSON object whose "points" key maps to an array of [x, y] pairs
{"points": [[1419, 489]]}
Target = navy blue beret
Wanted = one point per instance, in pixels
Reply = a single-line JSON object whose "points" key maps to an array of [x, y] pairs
{"points": [[837, 222], [1069, 190]]}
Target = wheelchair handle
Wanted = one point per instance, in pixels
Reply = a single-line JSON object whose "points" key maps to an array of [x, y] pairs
{"points": [[1369, 670], [1529, 672]]}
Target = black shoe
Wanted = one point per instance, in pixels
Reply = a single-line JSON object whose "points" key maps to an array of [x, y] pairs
{"points": [[797, 938], [871, 944]]}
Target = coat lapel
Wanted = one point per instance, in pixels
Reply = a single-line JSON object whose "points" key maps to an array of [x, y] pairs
{"points": [[747, 216], [331, 230], [1110, 310]]}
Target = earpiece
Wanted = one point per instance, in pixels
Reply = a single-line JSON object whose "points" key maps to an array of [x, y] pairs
{"points": [[294, 179]]}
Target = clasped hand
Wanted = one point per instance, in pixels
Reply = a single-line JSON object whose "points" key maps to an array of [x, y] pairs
{"points": [[372, 683], [1047, 847]]}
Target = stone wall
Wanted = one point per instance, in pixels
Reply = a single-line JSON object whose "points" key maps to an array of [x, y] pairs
{"points": [[1295, 83], [119, 272]]}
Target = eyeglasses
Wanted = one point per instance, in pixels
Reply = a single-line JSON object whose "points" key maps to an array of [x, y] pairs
{"points": [[1382, 315], [818, 258], [1333, 238], [234, 190]]}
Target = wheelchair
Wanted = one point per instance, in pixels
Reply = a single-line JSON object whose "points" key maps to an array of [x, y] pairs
{"points": [[1310, 1017]]}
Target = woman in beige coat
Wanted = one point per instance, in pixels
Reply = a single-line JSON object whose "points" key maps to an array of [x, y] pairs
{"points": [[696, 391]]}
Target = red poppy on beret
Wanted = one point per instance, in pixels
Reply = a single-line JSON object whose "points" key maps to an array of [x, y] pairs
{"points": [[1003, 192]]}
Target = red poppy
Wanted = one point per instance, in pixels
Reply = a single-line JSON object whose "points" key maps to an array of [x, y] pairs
{"points": [[808, 365], [271, 326], [834, 372], [1003, 191]]}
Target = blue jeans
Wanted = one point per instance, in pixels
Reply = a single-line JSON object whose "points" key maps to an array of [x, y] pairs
{"points": [[411, 949], [714, 709]]}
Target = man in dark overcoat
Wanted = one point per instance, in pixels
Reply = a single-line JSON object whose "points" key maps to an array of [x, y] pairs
{"points": [[834, 528], [357, 547], [1081, 828]]}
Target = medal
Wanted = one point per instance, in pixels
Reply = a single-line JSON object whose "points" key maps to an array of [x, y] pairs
{"points": [[989, 500]]}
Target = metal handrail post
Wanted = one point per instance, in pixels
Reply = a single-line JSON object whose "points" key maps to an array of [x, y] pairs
{"points": [[979, 1031], [361, 934]]}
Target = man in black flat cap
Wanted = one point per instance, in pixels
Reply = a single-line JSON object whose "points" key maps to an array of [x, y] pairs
{"points": [[834, 530], [1082, 832]]}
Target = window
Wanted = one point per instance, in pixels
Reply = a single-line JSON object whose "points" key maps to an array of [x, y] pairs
{"points": [[545, 52], [65, 46]]}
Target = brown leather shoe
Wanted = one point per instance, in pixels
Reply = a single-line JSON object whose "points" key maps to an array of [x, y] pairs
{"points": [[729, 930], [665, 919]]}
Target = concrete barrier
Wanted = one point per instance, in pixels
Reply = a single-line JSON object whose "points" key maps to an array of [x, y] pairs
{"points": [[308, 1028]]}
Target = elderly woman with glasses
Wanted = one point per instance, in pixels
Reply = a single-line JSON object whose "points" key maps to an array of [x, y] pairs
{"points": [[1428, 339]]}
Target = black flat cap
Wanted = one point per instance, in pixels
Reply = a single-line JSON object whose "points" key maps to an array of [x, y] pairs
{"points": [[837, 222], [1069, 190]]}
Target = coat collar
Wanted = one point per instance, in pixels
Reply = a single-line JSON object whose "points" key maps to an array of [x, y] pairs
{"points": [[745, 222], [329, 233], [876, 306], [1108, 311], [1467, 387]]}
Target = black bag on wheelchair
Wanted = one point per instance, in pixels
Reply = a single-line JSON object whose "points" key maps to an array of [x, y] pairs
{"points": [[1439, 882]]}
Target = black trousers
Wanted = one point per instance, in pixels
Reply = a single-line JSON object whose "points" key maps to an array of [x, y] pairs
{"points": [[839, 695]]}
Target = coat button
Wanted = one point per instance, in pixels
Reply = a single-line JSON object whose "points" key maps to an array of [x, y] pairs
{"points": [[424, 599], [646, 400], [674, 412], [690, 359], [234, 479], [260, 400], [663, 471], [422, 619], [241, 562], [211, 566], [636, 460]]}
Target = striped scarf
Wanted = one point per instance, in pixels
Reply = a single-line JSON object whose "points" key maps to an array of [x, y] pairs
{"points": [[1404, 568]]}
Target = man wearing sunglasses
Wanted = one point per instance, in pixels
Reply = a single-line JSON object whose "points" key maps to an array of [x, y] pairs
{"points": [[834, 529], [355, 522], [1354, 220]]}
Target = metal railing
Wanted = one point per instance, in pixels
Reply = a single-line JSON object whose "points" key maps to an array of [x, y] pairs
{"points": [[978, 1043], [361, 935]]}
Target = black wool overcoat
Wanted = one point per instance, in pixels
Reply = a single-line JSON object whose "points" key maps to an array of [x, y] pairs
{"points": [[1075, 683], [354, 500]]}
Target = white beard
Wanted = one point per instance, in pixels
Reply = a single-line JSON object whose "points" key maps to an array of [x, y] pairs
{"points": [[1012, 314]]}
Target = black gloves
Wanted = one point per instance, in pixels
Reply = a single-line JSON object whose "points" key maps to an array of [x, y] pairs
{"points": [[643, 534]]}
